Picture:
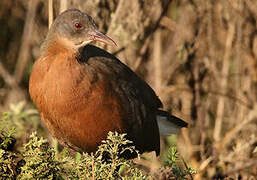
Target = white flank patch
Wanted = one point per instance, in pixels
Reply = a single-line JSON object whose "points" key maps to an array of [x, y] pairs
{"points": [[166, 127]]}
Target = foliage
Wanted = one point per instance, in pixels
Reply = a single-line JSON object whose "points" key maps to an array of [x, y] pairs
{"points": [[7, 164], [6, 133], [111, 166], [24, 119], [7, 158], [177, 171], [38, 160]]}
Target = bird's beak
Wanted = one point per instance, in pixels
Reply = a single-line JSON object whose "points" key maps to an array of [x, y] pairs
{"points": [[98, 36]]}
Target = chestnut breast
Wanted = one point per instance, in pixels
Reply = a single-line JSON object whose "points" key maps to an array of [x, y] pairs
{"points": [[75, 101]]}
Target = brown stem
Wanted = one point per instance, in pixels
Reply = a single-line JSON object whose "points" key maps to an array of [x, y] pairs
{"points": [[23, 56], [223, 82]]}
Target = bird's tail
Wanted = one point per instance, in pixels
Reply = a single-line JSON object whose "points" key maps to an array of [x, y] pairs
{"points": [[169, 124]]}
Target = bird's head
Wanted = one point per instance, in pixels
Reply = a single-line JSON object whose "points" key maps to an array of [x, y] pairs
{"points": [[76, 29]]}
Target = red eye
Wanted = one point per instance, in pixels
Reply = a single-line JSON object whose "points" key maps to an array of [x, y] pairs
{"points": [[78, 25]]}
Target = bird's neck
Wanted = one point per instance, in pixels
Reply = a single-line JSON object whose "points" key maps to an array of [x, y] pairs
{"points": [[58, 45]]}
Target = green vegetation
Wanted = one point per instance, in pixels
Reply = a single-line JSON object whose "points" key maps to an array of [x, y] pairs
{"points": [[178, 172], [36, 159]]}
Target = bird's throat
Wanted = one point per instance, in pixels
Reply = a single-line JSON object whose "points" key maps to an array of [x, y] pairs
{"points": [[57, 45]]}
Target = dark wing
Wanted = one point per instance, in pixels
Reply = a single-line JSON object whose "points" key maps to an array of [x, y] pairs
{"points": [[131, 82], [138, 99]]}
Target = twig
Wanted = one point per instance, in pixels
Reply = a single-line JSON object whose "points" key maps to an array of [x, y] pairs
{"points": [[173, 88], [186, 166], [63, 5], [118, 51], [50, 13], [142, 52], [252, 7], [9, 80], [231, 134], [116, 15], [205, 163], [168, 23], [165, 9], [223, 83], [93, 169], [148, 36], [232, 97], [244, 166], [157, 57], [23, 56]]}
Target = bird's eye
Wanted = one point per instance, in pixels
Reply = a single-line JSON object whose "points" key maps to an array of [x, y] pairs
{"points": [[78, 25]]}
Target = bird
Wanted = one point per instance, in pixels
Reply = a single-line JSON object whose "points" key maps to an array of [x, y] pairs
{"points": [[82, 92]]}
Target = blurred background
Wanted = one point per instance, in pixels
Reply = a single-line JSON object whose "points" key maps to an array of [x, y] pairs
{"points": [[200, 56]]}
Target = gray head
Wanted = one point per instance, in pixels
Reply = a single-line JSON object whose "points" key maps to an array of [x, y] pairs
{"points": [[77, 28]]}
